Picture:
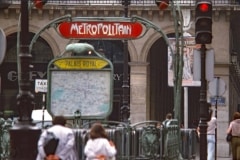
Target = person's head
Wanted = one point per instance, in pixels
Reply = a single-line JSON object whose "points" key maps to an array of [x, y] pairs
{"points": [[98, 131], [236, 115], [169, 116], [60, 120]]}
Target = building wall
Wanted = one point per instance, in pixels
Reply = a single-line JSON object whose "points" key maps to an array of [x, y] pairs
{"points": [[138, 49]]}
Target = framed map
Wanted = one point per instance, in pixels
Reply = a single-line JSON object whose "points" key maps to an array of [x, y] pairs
{"points": [[87, 91]]}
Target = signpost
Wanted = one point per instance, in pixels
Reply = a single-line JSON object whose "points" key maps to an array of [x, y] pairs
{"points": [[217, 88]]}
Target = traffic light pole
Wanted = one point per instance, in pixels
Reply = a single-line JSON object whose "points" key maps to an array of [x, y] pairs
{"points": [[203, 36], [203, 106]]}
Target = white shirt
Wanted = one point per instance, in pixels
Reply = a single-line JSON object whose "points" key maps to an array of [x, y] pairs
{"points": [[99, 146], [212, 125], [66, 149]]}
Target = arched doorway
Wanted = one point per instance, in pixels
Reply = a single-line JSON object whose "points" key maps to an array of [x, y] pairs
{"points": [[41, 53], [160, 94]]}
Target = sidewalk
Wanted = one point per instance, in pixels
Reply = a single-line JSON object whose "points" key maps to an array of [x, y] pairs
{"points": [[218, 158]]}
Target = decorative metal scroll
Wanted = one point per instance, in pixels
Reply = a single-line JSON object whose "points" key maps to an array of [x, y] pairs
{"points": [[150, 141], [5, 138]]}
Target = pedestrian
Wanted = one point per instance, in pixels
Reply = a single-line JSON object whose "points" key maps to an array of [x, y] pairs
{"points": [[66, 149], [98, 147], [234, 129], [211, 139], [166, 122]]}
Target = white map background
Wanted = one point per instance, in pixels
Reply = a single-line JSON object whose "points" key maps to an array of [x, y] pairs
{"points": [[86, 91]]}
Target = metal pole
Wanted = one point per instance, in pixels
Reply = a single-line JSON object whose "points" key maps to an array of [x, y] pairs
{"points": [[125, 109], [186, 107], [178, 59], [217, 96], [24, 135], [203, 106]]}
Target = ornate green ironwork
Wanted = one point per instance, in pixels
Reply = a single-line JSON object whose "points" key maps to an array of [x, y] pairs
{"points": [[5, 138], [171, 141], [141, 141], [150, 141]]}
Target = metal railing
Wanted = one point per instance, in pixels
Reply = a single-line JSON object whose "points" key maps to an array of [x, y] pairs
{"points": [[5, 138], [119, 2], [140, 141]]}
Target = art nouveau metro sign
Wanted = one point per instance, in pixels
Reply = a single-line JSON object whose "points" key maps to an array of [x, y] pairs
{"points": [[100, 30]]}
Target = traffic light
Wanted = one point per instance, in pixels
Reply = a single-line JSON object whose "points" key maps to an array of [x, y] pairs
{"points": [[126, 2], [203, 24], [162, 4], [39, 3]]}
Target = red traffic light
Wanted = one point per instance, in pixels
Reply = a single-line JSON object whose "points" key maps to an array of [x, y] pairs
{"points": [[203, 24], [162, 4], [204, 7], [39, 3]]}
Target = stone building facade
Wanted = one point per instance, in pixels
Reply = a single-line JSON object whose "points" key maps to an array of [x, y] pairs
{"points": [[224, 42]]}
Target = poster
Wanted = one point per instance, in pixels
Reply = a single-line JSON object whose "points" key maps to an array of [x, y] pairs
{"points": [[187, 77]]}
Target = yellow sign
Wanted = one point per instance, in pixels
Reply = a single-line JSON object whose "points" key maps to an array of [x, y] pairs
{"points": [[69, 63]]}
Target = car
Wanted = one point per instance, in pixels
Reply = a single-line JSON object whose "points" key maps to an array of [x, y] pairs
{"points": [[42, 118]]}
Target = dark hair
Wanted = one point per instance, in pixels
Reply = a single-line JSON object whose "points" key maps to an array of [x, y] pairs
{"points": [[98, 131], [169, 116], [59, 120]]}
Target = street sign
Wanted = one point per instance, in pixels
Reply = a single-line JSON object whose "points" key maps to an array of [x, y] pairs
{"points": [[76, 63], [217, 87], [221, 101], [100, 30], [40, 85]]}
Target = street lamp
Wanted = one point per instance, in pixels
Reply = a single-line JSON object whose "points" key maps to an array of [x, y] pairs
{"points": [[177, 56], [125, 109], [24, 134]]}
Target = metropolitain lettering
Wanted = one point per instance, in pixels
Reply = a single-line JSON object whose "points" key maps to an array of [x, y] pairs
{"points": [[115, 29]]}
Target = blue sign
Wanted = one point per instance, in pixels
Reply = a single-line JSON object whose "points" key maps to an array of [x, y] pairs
{"points": [[220, 101]]}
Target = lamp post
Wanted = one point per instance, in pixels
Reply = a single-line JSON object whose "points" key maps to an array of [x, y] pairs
{"points": [[177, 55], [125, 109], [24, 134]]}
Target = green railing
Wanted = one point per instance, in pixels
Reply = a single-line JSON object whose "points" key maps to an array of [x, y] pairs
{"points": [[5, 138], [141, 141]]}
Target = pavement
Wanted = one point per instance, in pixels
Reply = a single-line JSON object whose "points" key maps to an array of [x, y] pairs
{"points": [[218, 158]]}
